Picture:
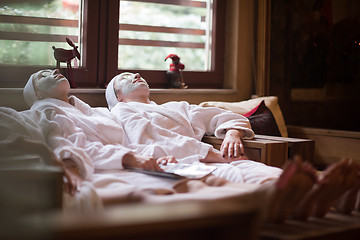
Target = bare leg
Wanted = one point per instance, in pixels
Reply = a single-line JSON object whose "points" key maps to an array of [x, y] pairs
{"points": [[284, 193], [217, 181], [295, 181], [111, 198], [188, 186]]}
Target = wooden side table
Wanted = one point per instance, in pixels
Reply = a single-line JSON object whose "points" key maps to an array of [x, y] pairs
{"points": [[268, 151]]}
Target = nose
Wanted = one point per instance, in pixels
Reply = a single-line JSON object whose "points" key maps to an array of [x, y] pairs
{"points": [[137, 76], [56, 71]]}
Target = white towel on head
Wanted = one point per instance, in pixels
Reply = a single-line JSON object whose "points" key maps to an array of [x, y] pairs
{"points": [[29, 92], [110, 94]]}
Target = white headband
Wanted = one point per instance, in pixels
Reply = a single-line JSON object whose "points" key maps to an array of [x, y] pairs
{"points": [[110, 94], [29, 92]]}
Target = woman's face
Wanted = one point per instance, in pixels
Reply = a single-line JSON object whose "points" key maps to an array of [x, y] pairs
{"points": [[128, 82], [46, 80], [50, 83]]}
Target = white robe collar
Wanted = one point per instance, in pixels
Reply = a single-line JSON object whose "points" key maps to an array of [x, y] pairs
{"points": [[160, 109]]}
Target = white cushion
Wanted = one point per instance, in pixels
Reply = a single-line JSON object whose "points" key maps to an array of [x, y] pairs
{"points": [[243, 107]]}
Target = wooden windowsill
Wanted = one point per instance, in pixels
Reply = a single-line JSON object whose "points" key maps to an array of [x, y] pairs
{"points": [[155, 91]]}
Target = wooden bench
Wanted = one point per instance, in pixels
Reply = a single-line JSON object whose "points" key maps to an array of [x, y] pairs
{"points": [[273, 151], [333, 226], [302, 147], [177, 221]]}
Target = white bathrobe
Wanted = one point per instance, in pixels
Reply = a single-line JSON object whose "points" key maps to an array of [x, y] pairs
{"points": [[90, 137], [85, 134], [177, 129], [176, 125]]}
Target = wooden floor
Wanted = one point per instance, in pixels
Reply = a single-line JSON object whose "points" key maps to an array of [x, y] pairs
{"points": [[334, 226]]}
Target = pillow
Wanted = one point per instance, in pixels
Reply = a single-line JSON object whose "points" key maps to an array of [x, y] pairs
{"points": [[244, 107], [262, 121]]}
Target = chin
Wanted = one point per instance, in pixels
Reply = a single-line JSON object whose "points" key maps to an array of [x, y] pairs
{"points": [[63, 85]]}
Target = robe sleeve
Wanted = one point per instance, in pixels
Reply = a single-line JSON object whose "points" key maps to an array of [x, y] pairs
{"points": [[69, 141], [216, 121]]}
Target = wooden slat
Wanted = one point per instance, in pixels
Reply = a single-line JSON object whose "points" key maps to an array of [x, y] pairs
{"points": [[147, 28], [153, 43], [36, 37], [185, 3], [39, 21]]}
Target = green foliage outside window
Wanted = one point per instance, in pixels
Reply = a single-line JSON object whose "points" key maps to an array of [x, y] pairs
{"points": [[32, 52], [131, 57]]}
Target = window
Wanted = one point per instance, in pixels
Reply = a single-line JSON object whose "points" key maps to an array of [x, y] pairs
{"points": [[28, 31], [207, 72], [111, 41], [153, 30]]}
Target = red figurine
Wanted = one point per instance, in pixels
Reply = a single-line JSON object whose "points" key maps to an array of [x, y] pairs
{"points": [[174, 74], [62, 55]]}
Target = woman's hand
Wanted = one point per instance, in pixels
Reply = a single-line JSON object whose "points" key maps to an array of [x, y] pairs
{"points": [[232, 147], [72, 177], [139, 161], [166, 160]]}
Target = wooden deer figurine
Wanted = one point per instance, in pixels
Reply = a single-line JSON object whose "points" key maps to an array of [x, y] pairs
{"points": [[63, 55]]}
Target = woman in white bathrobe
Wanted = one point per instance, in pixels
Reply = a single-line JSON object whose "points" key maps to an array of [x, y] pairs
{"points": [[178, 127]]}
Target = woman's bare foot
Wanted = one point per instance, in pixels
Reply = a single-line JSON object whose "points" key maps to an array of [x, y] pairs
{"points": [[357, 204], [340, 179], [295, 181], [347, 202]]}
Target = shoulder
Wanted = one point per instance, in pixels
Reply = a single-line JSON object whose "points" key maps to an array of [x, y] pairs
{"points": [[176, 104], [121, 108]]}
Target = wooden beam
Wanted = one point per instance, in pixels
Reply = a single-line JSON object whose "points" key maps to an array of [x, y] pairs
{"points": [[156, 43]]}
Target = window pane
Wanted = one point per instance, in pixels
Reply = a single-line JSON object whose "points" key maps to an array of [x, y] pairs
{"points": [[151, 30], [28, 30]]}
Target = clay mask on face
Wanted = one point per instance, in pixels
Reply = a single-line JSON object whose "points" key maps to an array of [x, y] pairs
{"points": [[128, 82], [47, 79]]}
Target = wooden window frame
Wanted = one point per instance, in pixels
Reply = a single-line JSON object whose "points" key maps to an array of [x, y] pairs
{"points": [[14, 76], [156, 78], [100, 38]]}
